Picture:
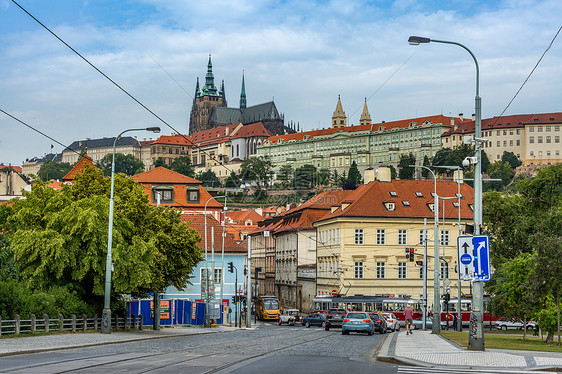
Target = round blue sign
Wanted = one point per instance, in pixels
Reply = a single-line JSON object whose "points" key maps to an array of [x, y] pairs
{"points": [[466, 259]]}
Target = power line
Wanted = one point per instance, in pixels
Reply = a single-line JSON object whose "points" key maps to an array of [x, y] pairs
{"points": [[529, 76]]}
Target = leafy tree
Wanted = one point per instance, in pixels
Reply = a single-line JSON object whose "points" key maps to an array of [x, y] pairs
{"points": [[407, 172], [126, 164], [511, 159], [182, 165], [232, 181], [334, 178], [392, 172], [499, 170], [353, 177], [257, 170], [285, 174], [455, 156], [60, 239], [209, 179], [323, 177], [160, 162], [51, 170], [305, 176]]}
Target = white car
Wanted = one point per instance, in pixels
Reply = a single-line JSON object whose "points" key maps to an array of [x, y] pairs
{"points": [[392, 323], [504, 324]]}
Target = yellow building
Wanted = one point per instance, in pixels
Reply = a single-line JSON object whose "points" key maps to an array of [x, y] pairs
{"points": [[363, 242]]}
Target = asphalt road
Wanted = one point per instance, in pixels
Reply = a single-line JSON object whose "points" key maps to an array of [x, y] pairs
{"points": [[266, 349]]}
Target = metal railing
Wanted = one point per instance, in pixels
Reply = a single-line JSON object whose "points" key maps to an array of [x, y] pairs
{"points": [[45, 324]]}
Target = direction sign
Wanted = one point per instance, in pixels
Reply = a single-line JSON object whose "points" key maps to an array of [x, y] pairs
{"points": [[474, 258]]}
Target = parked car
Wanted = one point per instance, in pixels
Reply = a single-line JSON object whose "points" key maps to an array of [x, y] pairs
{"points": [[334, 318], [315, 319], [379, 321], [392, 323], [504, 324], [418, 324], [358, 322], [289, 317]]}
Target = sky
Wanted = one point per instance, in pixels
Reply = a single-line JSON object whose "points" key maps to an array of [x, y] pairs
{"points": [[301, 54]]}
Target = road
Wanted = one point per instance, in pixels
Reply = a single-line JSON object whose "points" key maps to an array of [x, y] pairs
{"points": [[267, 348]]}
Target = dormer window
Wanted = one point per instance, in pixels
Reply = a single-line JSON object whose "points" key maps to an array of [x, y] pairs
{"points": [[193, 194], [456, 204], [166, 194], [458, 195], [393, 194], [433, 194], [390, 206], [431, 207], [419, 194], [406, 203]]}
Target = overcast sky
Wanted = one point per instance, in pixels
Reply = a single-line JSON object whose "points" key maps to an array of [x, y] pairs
{"points": [[301, 53]]}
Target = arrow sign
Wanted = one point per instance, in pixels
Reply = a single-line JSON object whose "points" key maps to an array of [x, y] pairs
{"points": [[482, 268], [465, 251]]}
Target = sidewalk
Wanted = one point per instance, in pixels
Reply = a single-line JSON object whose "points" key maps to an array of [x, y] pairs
{"points": [[422, 348], [43, 343]]}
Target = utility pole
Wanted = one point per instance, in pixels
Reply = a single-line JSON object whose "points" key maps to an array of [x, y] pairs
{"points": [[249, 285]]}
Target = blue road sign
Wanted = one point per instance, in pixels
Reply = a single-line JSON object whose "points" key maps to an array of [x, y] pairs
{"points": [[482, 268]]}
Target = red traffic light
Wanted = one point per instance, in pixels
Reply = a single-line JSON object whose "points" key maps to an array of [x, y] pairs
{"points": [[419, 263]]}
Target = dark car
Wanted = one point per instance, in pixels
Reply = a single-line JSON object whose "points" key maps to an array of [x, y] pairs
{"points": [[379, 321], [334, 318], [315, 319]]}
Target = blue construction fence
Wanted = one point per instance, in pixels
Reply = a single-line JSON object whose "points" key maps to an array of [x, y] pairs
{"points": [[172, 312]]}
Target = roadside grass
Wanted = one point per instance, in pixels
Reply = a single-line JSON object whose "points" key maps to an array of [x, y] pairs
{"points": [[505, 341]]}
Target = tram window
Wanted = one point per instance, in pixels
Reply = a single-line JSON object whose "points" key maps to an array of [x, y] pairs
{"points": [[357, 307], [369, 307], [378, 306]]}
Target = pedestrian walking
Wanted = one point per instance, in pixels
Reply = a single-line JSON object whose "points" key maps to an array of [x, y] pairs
{"points": [[455, 322], [409, 317]]}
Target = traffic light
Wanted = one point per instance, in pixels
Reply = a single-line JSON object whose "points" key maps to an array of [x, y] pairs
{"points": [[419, 263], [411, 254], [230, 267], [446, 297]]}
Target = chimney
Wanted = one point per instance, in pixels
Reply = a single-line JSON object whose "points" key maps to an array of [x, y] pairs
{"points": [[226, 130], [461, 116], [383, 174], [452, 121], [369, 176]]}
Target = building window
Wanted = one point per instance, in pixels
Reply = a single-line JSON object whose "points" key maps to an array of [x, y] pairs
{"points": [[444, 270], [402, 270], [358, 269], [166, 196], [511, 143], [531, 129], [556, 139], [402, 237], [381, 270], [531, 139], [548, 139], [444, 237], [518, 142], [358, 236], [381, 236], [423, 237], [539, 128], [517, 132], [498, 143], [539, 139]]}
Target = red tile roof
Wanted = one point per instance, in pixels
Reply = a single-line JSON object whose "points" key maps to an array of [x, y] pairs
{"points": [[197, 222], [17, 169], [78, 167], [174, 140], [216, 134], [445, 120], [370, 200], [164, 175], [251, 130], [506, 122]]}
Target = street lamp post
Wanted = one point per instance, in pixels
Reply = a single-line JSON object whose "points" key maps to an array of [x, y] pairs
{"points": [[106, 314], [475, 340], [436, 328]]}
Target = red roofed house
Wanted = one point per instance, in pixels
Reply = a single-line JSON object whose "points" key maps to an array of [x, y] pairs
{"points": [[78, 167], [178, 191], [294, 246], [167, 148], [240, 223], [362, 242], [11, 182]]}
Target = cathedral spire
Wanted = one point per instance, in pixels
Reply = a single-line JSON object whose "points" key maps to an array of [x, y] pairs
{"points": [[339, 119], [243, 94], [365, 117], [197, 93], [209, 88], [222, 93]]}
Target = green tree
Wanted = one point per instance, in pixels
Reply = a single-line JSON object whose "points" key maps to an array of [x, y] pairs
{"points": [[182, 165], [392, 172], [285, 175], [257, 170], [407, 172], [455, 156], [499, 170], [353, 177], [511, 159], [426, 162], [323, 178], [51, 170], [126, 164], [305, 176], [209, 179], [160, 162], [335, 178], [60, 239], [232, 181]]}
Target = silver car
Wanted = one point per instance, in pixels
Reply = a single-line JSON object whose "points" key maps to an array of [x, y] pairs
{"points": [[392, 323]]}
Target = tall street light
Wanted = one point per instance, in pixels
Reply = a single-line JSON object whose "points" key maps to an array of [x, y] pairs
{"points": [[475, 340], [436, 328], [106, 314]]}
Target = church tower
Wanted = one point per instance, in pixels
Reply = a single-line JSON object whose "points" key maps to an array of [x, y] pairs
{"points": [[365, 117], [243, 95], [205, 101], [339, 119]]}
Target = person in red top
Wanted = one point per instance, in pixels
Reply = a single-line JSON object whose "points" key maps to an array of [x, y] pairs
{"points": [[409, 317]]}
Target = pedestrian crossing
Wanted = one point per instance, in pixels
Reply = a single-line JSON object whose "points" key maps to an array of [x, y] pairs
{"points": [[417, 370]]}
